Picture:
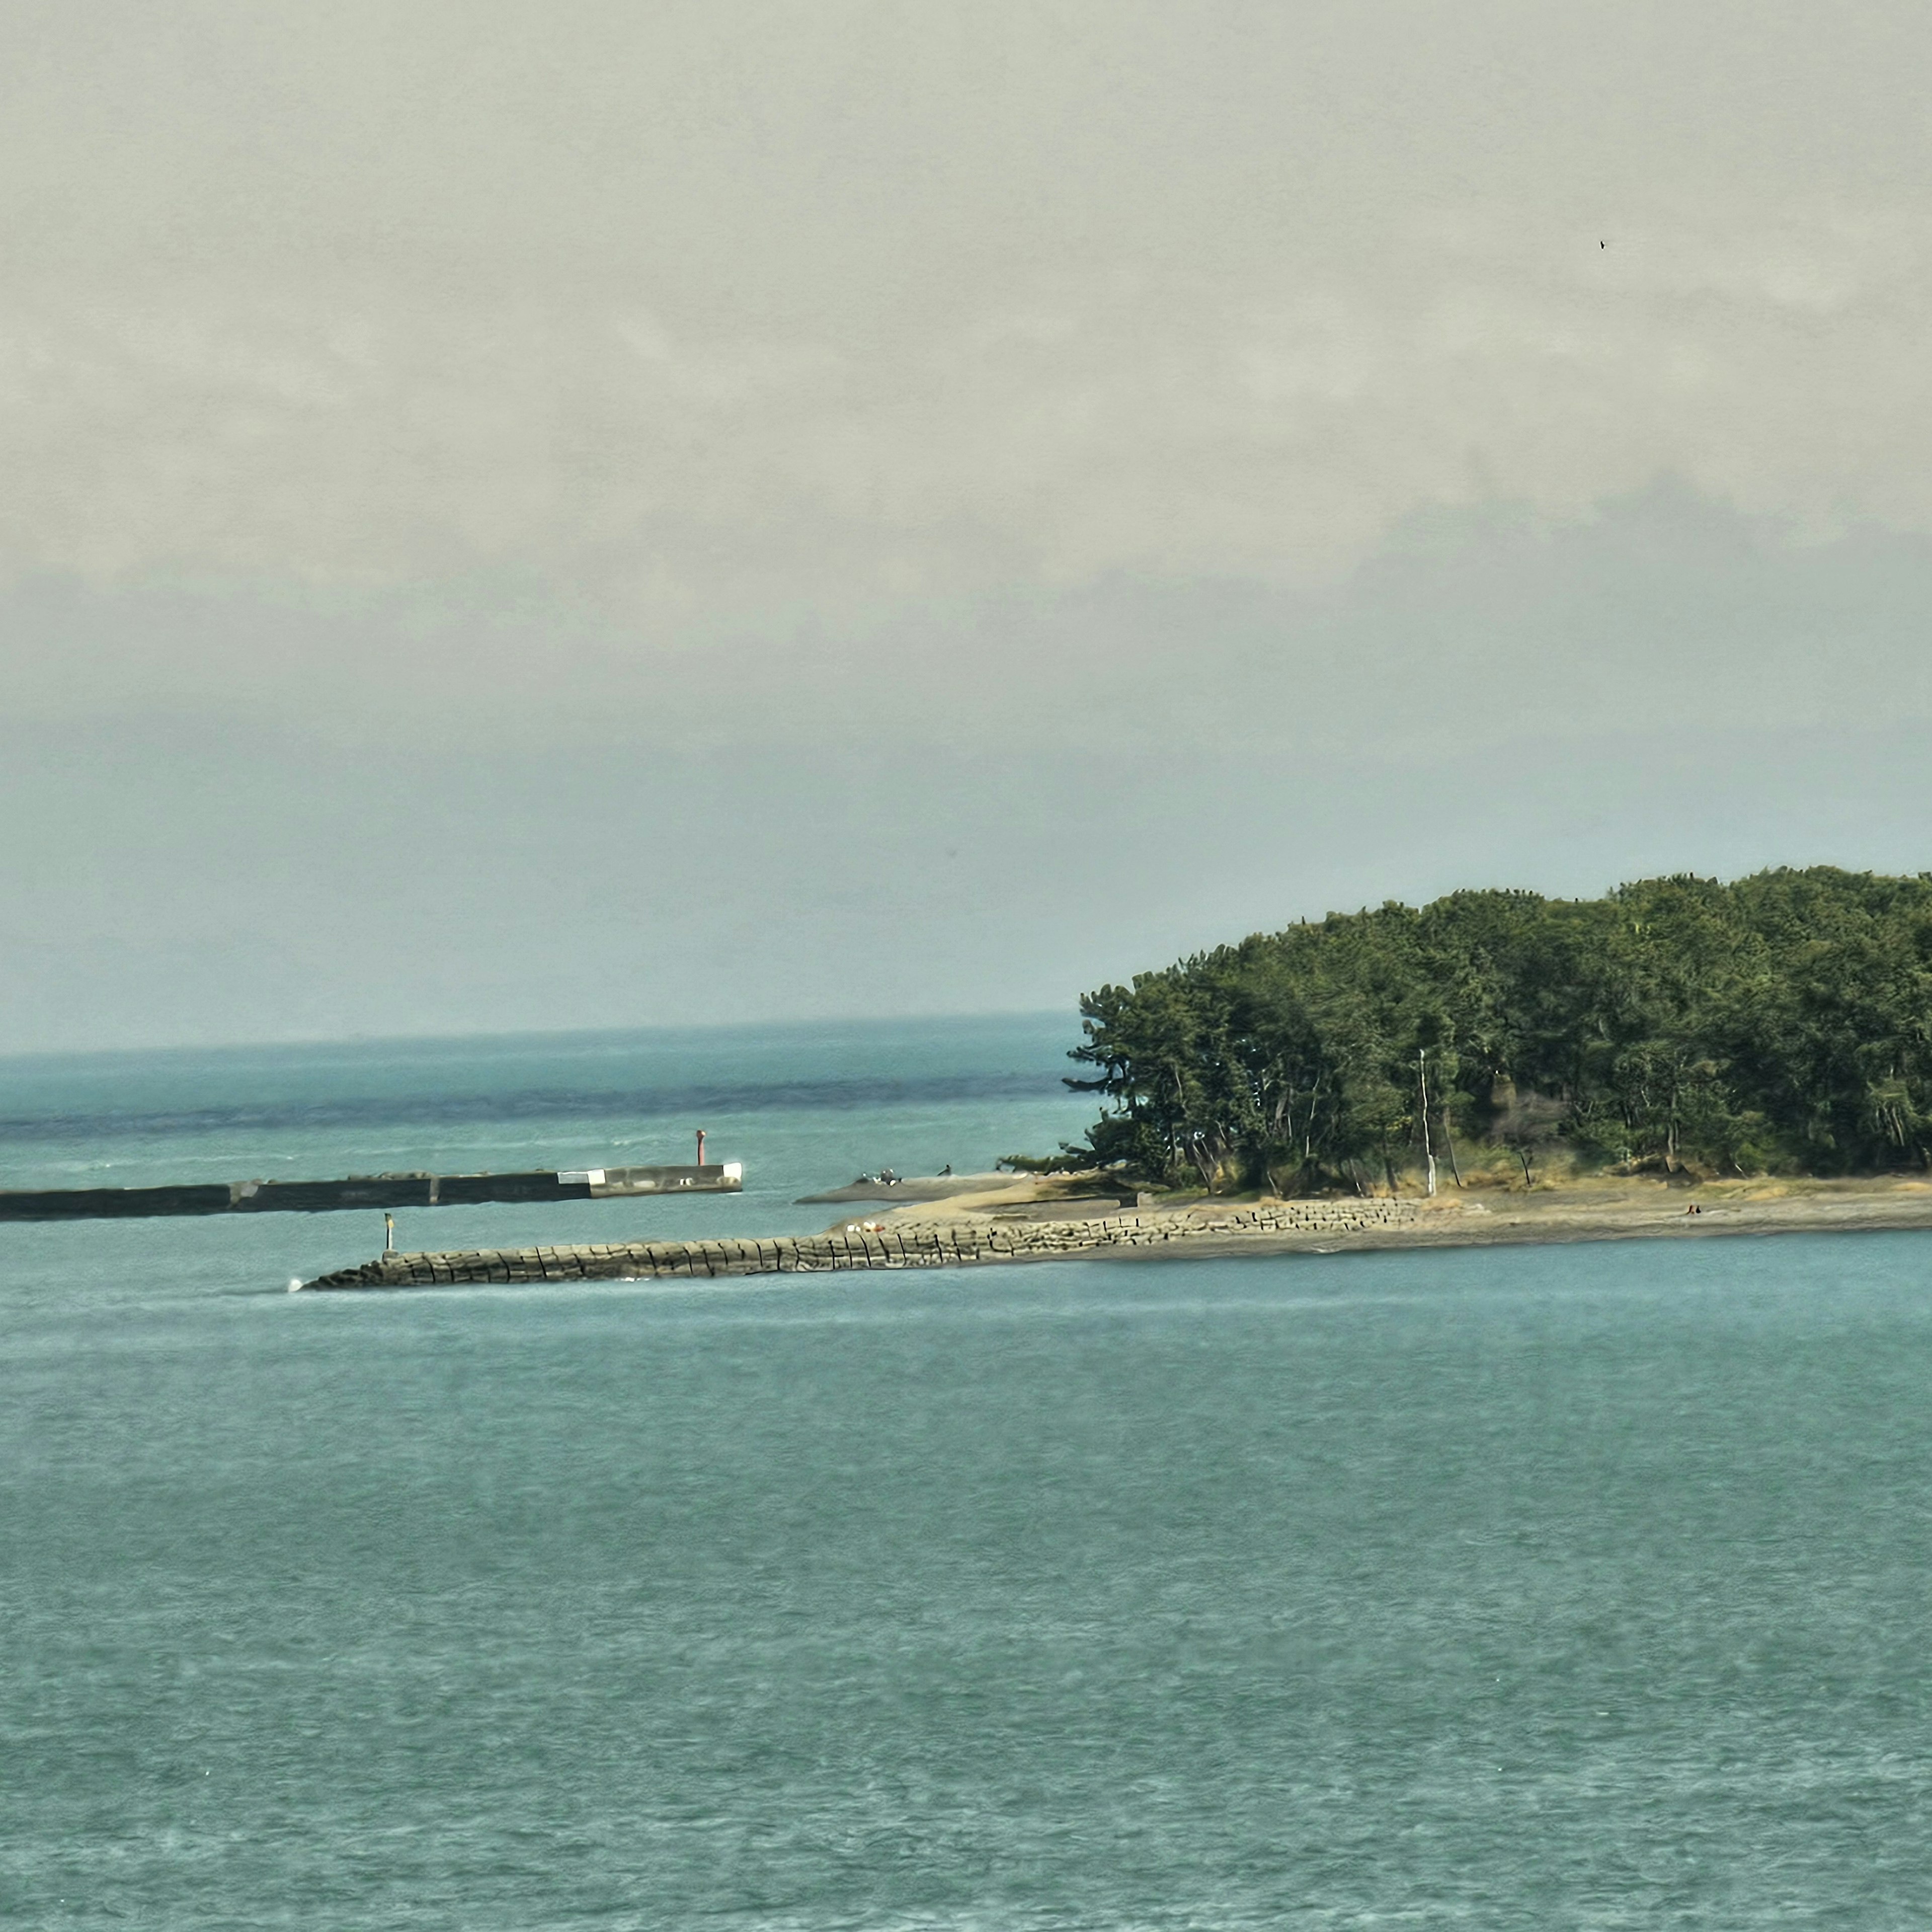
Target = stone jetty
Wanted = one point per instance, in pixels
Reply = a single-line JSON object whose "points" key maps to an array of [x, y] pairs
{"points": [[958, 1242], [364, 1190]]}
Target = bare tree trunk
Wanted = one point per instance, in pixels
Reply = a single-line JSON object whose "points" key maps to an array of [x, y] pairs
{"points": [[1428, 1151]]}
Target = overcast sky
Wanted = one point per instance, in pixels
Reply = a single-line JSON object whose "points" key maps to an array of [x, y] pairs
{"points": [[522, 516]]}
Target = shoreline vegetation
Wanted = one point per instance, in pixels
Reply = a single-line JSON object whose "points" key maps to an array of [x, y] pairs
{"points": [[1777, 1027]]}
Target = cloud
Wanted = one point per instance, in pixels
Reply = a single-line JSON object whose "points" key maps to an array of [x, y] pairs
{"points": [[1278, 428], [1492, 623], [709, 314]]}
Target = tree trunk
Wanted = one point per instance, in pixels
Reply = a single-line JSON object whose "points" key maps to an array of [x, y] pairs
{"points": [[1428, 1151]]}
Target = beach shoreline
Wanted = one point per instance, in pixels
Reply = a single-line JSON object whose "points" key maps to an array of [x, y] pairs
{"points": [[1551, 1226], [1620, 1209]]}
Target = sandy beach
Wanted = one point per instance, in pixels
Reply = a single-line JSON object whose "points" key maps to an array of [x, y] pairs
{"points": [[1611, 1210]]}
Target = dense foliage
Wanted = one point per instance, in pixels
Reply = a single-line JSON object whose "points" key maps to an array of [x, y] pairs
{"points": [[1783, 1021]]}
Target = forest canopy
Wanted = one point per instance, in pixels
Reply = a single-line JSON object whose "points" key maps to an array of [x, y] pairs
{"points": [[1781, 1023]]}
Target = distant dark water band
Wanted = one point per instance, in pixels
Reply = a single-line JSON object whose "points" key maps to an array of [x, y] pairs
{"points": [[436, 1109]]}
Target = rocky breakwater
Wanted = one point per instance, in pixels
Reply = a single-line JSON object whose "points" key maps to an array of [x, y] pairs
{"points": [[965, 1241]]}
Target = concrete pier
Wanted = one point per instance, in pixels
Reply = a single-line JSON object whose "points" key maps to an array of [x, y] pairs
{"points": [[366, 1190], [913, 1244]]}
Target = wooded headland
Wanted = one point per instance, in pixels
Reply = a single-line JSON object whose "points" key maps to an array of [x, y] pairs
{"points": [[1781, 1024]]}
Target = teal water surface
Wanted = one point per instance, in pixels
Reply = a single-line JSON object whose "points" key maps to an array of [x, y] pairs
{"points": [[1578, 1587]]}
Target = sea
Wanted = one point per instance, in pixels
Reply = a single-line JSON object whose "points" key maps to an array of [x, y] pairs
{"points": [[1572, 1587]]}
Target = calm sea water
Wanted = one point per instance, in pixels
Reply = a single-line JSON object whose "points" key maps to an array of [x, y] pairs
{"points": [[1582, 1587]]}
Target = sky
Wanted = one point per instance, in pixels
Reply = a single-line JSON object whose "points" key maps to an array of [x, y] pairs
{"points": [[516, 517]]}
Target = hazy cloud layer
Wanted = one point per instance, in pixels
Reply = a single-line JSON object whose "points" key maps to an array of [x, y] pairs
{"points": [[695, 308], [1490, 622]]}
